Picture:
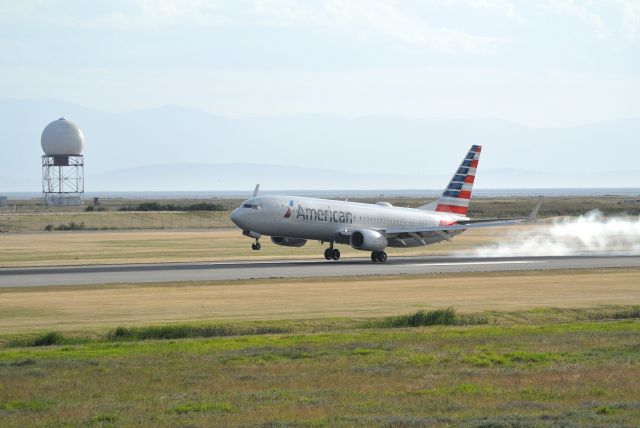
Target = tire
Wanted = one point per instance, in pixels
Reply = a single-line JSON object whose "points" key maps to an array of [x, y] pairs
{"points": [[374, 256], [258, 246], [382, 257], [327, 254], [253, 247], [336, 254]]}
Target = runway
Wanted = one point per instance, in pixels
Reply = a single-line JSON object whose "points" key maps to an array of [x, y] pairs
{"points": [[238, 270]]}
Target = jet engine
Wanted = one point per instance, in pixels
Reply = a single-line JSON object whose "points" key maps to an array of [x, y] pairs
{"points": [[286, 241], [369, 240]]}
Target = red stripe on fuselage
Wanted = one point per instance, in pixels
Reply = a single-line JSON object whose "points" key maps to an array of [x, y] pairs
{"points": [[451, 209]]}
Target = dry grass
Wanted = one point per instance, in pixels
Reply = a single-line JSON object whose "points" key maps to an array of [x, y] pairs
{"points": [[115, 220], [74, 248], [76, 308]]}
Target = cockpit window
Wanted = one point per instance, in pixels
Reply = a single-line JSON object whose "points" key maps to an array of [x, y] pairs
{"points": [[252, 206]]}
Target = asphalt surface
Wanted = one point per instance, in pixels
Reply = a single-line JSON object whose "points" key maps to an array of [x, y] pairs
{"points": [[170, 272]]}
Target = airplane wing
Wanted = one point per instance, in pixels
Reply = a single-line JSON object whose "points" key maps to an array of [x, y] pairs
{"points": [[419, 233], [462, 225]]}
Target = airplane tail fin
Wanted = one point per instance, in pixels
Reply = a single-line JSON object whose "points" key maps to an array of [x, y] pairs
{"points": [[455, 198]]}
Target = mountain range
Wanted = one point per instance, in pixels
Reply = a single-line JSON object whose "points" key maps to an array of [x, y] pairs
{"points": [[178, 148]]}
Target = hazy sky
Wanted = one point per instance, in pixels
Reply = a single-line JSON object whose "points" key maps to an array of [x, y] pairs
{"points": [[541, 63]]}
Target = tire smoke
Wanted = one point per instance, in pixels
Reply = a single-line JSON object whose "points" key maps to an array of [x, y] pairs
{"points": [[589, 234]]}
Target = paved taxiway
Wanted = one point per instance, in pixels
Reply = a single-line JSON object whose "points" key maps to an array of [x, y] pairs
{"points": [[169, 272]]}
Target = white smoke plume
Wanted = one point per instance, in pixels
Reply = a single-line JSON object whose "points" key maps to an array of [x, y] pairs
{"points": [[589, 234]]}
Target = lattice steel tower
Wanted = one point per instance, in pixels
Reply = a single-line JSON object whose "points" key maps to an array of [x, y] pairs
{"points": [[62, 163]]}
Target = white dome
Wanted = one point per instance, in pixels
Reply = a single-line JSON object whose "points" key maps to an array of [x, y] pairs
{"points": [[62, 137]]}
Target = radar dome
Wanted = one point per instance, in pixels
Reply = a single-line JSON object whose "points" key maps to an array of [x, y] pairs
{"points": [[62, 137]]}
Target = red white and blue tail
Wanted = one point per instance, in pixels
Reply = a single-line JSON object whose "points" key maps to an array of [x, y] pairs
{"points": [[455, 198]]}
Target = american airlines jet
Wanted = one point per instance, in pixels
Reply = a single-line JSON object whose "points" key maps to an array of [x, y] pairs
{"points": [[291, 221]]}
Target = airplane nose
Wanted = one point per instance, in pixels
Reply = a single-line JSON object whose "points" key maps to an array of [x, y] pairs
{"points": [[236, 217]]}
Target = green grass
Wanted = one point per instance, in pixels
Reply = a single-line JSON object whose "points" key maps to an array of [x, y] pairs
{"points": [[626, 313], [24, 406], [486, 358], [44, 339], [183, 409], [424, 318], [181, 331], [577, 372], [420, 318], [103, 419]]}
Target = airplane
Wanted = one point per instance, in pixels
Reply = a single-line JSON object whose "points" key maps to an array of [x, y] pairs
{"points": [[291, 220]]}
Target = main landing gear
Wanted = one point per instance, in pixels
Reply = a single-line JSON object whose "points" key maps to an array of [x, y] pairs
{"points": [[332, 253], [378, 256]]}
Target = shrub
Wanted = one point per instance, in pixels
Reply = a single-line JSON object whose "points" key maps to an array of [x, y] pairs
{"points": [[625, 314], [46, 339], [156, 206], [91, 208], [181, 331], [421, 318], [70, 226]]}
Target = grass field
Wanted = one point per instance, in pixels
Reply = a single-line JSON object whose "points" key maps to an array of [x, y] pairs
{"points": [[71, 248], [114, 220], [579, 373], [95, 307], [522, 349]]}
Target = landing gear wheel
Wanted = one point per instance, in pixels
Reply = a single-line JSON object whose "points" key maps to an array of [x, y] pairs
{"points": [[256, 246], [378, 256], [332, 254]]}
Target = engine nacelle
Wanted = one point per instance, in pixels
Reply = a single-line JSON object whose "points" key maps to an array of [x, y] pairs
{"points": [[369, 240], [286, 241]]}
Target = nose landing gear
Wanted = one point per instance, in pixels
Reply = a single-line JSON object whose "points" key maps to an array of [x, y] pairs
{"points": [[378, 256], [256, 245]]}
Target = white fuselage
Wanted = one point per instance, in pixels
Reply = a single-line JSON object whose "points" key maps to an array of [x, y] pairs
{"points": [[332, 221]]}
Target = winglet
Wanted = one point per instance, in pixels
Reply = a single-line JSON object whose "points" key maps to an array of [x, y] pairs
{"points": [[256, 190], [534, 213]]}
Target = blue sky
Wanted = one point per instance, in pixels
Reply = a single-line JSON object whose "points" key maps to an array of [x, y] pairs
{"points": [[539, 63]]}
